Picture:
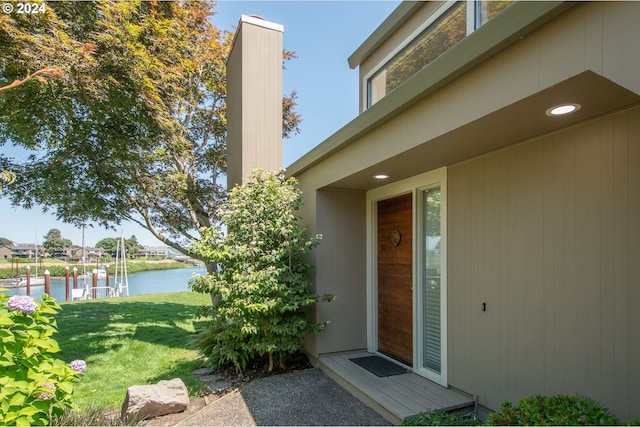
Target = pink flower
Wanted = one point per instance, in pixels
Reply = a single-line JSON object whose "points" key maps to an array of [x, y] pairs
{"points": [[78, 365], [47, 395], [22, 303]]}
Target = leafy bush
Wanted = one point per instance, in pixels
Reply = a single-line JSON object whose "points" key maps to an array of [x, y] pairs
{"points": [[553, 410], [261, 285], [440, 418], [34, 386]]}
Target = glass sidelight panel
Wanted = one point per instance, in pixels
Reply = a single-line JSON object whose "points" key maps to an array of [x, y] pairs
{"points": [[432, 240]]}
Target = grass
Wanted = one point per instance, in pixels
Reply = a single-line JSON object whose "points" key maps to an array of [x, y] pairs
{"points": [[129, 341]]}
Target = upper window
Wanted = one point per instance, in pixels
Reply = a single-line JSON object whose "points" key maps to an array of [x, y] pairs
{"points": [[450, 24]]}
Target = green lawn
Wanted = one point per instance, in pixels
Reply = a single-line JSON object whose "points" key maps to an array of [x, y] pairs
{"points": [[130, 340]]}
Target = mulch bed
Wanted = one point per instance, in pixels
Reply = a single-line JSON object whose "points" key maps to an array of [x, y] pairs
{"points": [[258, 368]]}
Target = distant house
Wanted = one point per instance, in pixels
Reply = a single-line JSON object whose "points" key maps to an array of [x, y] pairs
{"points": [[62, 253], [471, 231], [6, 252], [154, 251], [96, 253], [91, 254], [26, 250]]}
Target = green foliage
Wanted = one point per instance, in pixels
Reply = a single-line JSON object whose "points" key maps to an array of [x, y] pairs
{"points": [[93, 415], [553, 410], [34, 386], [261, 283], [53, 241], [534, 410], [110, 245], [132, 124], [440, 418], [132, 246]]}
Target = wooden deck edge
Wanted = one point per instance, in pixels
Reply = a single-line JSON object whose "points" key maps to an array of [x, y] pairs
{"points": [[356, 392]]}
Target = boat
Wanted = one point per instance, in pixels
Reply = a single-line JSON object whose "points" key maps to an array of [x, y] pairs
{"points": [[102, 273], [22, 281], [33, 280]]}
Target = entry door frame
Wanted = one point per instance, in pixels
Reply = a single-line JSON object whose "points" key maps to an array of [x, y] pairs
{"points": [[414, 185]]}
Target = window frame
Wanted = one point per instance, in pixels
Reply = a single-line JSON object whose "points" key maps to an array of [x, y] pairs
{"points": [[472, 24]]}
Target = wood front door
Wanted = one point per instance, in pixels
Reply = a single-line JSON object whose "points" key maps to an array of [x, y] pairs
{"points": [[395, 295]]}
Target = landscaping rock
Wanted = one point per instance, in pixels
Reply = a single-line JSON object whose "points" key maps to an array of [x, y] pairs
{"points": [[148, 401]]}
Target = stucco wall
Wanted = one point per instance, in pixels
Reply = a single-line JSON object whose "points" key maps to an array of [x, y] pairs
{"points": [[547, 234]]}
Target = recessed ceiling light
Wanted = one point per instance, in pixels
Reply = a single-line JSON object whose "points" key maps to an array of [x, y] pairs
{"points": [[562, 109], [381, 176]]}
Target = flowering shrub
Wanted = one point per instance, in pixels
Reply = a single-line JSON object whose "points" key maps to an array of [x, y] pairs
{"points": [[78, 365], [22, 303], [261, 283], [34, 386]]}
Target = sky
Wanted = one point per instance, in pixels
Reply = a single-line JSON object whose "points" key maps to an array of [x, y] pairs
{"points": [[323, 34]]}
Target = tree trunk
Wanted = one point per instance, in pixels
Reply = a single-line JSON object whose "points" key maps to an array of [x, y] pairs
{"points": [[212, 268]]}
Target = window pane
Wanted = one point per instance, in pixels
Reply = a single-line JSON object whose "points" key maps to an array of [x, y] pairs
{"points": [[433, 42], [432, 273], [487, 9]]}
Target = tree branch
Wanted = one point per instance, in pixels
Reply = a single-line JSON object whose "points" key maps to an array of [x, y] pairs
{"points": [[38, 74]]}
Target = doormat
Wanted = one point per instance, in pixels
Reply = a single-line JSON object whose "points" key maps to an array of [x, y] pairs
{"points": [[379, 366]]}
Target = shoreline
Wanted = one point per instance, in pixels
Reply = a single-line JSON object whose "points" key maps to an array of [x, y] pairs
{"points": [[6, 282]]}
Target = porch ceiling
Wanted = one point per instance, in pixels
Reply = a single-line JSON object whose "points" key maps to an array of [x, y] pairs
{"points": [[514, 123]]}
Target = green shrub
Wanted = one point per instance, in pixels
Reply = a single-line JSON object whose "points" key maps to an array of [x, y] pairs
{"points": [[553, 410], [440, 418], [34, 386], [261, 285]]}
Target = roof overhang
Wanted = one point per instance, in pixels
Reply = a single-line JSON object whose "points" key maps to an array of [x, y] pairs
{"points": [[523, 120], [509, 26], [388, 26]]}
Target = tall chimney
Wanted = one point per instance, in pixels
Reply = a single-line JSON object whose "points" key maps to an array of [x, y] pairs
{"points": [[254, 99]]}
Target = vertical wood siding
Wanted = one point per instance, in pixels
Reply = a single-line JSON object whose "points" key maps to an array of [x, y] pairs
{"points": [[547, 234]]}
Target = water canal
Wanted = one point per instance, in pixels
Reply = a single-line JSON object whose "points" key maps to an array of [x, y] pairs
{"points": [[146, 282]]}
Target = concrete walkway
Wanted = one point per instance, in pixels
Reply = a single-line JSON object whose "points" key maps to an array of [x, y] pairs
{"points": [[307, 397]]}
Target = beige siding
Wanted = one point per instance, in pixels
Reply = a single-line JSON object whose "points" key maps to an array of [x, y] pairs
{"points": [[340, 268], [594, 36], [254, 104], [547, 233]]}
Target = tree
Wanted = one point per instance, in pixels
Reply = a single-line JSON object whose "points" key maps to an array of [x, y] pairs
{"points": [[7, 177], [54, 242], [262, 283], [109, 244], [134, 127], [132, 246], [39, 75]]}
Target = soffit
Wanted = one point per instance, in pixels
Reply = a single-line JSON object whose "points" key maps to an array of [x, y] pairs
{"points": [[520, 121]]}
